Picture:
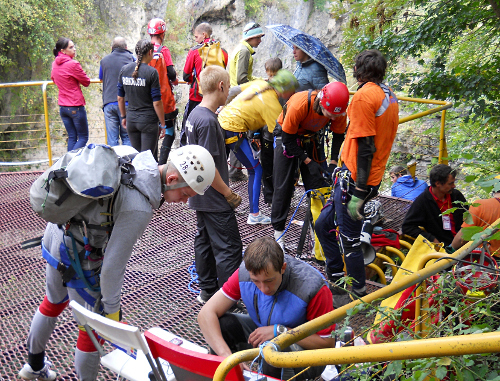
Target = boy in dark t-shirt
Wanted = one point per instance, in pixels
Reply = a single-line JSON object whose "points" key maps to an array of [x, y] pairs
{"points": [[217, 244]]}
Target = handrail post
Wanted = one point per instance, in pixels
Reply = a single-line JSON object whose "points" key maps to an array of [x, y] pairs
{"points": [[47, 128], [442, 140], [418, 301]]}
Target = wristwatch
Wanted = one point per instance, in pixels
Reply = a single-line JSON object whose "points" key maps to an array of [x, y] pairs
{"points": [[281, 329], [123, 117]]}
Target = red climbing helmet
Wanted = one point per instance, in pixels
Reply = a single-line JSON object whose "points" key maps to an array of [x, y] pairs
{"points": [[156, 26], [334, 97]]}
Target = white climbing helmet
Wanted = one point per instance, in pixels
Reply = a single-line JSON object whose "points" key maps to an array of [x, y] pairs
{"points": [[196, 165]]}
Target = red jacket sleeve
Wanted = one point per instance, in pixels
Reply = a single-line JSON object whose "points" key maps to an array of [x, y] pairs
{"points": [[166, 56], [80, 75], [189, 66]]}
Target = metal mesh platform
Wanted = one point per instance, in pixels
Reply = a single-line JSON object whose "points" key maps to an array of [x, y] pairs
{"points": [[155, 291]]}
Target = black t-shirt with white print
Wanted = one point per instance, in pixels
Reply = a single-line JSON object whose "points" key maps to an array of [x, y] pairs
{"points": [[203, 128], [140, 101]]}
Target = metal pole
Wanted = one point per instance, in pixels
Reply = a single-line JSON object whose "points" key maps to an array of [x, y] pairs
{"points": [[47, 128], [413, 349], [442, 141]]}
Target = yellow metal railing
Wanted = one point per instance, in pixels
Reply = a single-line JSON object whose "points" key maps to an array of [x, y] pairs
{"points": [[43, 85], [444, 105], [448, 346], [441, 106]]}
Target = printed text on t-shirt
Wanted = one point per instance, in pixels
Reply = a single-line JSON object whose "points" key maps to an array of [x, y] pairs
{"points": [[132, 82]]}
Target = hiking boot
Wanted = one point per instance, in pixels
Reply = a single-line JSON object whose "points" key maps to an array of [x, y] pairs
{"points": [[334, 283], [280, 238], [44, 374], [204, 296], [259, 219]]}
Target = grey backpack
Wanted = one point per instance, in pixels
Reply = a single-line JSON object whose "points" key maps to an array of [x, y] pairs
{"points": [[80, 177]]}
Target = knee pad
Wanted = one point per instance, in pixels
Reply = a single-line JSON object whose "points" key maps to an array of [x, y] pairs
{"points": [[349, 245], [84, 343], [50, 309]]}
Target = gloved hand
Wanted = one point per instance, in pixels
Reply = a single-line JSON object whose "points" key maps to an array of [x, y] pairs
{"points": [[315, 169], [355, 205], [234, 200]]}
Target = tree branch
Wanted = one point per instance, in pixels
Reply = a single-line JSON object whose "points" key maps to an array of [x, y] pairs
{"points": [[495, 6]]}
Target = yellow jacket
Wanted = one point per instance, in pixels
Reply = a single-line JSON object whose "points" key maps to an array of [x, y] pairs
{"points": [[241, 64], [243, 115]]}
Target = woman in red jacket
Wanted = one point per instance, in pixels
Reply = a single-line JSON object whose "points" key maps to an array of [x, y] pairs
{"points": [[68, 75]]}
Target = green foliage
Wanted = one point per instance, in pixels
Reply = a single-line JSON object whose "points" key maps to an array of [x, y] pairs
{"points": [[29, 29], [452, 314], [178, 34], [439, 49], [320, 4], [253, 7]]}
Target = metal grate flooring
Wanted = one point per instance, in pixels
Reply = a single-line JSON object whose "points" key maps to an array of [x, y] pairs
{"points": [[155, 291]]}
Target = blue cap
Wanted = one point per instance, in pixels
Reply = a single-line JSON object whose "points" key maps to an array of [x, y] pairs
{"points": [[252, 30]]}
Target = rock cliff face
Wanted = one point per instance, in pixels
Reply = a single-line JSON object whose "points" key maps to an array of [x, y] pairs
{"points": [[227, 18]]}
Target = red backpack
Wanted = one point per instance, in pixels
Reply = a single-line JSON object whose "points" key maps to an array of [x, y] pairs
{"points": [[167, 97]]}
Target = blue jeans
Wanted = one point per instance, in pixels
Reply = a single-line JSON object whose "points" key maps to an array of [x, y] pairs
{"points": [[114, 128], [245, 155], [75, 121]]}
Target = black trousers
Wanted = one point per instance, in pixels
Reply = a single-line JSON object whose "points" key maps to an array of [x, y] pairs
{"points": [[235, 167], [167, 142], [284, 182], [217, 248], [144, 136], [267, 163], [235, 330], [190, 105]]}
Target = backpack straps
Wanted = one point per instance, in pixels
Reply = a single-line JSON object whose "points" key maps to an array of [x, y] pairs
{"points": [[128, 170], [204, 60], [58, 174]]}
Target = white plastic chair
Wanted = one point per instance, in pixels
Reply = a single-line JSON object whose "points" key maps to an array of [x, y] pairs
{"points": [[126, 360]]}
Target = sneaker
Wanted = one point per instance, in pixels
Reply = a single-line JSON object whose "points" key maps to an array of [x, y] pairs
{"points": [[44, 374], [259, 219], [204, 296], [280, 238]]}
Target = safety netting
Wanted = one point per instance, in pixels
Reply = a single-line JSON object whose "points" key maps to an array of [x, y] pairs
{"points": [[157, 290]]}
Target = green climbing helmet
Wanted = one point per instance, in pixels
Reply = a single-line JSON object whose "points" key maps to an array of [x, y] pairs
{"points": [[284, 81]]}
